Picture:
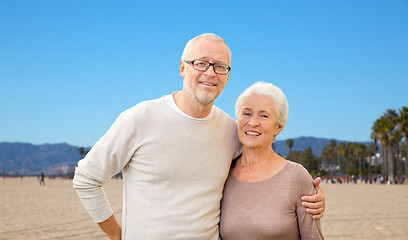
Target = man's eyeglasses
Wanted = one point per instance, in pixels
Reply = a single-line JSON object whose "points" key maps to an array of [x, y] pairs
{"points": [[201, 65]]}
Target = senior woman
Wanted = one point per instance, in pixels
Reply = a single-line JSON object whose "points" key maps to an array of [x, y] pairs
{"points": [[262, 196]]}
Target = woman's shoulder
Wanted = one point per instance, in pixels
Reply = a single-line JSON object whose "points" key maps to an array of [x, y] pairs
{"points": [[299, 171]]}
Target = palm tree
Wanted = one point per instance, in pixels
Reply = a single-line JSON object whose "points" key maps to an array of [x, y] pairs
{"points": [[308, 160], [328, 154], [382, 130], [340, 151], [369, 153], [395, 139], [358, 152], [404, 156], [81, 151], [289, 144], [296, 156], [376, 135], [403, 126], [390, 125]]}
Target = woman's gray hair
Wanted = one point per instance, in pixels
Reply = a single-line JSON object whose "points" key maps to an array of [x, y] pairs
{"points": [[190, 44], [271, 91]]}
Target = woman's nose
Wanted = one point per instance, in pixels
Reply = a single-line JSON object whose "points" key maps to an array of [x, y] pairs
{"points": [[253, 121]]}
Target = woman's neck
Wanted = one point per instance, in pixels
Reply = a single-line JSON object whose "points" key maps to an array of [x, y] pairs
{"points": [[256, 165], [255, 157]]}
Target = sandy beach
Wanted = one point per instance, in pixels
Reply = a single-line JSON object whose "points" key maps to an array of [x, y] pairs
{"points": [[54, 211]]}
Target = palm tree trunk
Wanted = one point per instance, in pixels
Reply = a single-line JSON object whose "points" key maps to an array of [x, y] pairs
{"points": [[391, 165], [406, 164], [398, 162], [369, 169], [359, 166], [384, 169]]}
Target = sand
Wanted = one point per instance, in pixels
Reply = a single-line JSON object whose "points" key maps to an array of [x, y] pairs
{"points": [[53, 211]]}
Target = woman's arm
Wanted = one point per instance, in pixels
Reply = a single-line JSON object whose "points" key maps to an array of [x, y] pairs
{"points": [[309, 228], [316, 203]]}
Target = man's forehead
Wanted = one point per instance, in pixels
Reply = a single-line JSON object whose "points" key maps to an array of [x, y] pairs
{"points": [[211, 50]]}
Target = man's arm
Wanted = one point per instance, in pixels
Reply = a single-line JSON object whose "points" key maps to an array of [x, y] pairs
{"points": [[112, 228], [106, 158], [315, 204], [92, 196]]}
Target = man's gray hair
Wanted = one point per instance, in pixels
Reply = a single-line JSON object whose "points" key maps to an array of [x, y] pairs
{"points": [[190, 44]]}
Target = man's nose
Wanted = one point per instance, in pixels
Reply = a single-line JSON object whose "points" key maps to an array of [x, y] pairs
{"points": [[211, 70]]}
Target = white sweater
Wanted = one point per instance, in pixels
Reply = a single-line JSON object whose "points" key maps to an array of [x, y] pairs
{"points": [[174, 168]]}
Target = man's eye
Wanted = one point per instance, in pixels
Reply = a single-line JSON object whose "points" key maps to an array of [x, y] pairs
{"points": [[200, 64], [221, 67]]}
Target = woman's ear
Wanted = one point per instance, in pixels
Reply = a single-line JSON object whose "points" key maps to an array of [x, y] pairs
{"points": [[278, 129]]}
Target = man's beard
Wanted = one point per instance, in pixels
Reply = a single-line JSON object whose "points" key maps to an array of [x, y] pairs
{"points": [[203, 97]]}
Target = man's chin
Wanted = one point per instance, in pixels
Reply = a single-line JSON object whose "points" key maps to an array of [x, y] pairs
{"points": [[206, 99]]}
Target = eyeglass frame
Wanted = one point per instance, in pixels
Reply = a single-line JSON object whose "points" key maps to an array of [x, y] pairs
{"points": [[209, 64]]}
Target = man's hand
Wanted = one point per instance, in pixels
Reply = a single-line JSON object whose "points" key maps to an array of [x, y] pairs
{"points": [[111, 228], [315, 204]]}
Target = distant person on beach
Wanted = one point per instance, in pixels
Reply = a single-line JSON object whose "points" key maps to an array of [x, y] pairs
{"points": [[42, 182], [262, 195], [175, 153]]}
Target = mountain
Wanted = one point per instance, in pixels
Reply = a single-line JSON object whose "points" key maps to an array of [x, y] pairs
{"points": [[29, 159], [57, 159], [301, 143]]}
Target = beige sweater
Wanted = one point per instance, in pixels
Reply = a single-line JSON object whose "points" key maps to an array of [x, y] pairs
{"points": [[174, 169], [269, 209]]}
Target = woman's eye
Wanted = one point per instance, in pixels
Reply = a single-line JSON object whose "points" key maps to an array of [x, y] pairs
{"points": [[264, 116], [246, 114]]}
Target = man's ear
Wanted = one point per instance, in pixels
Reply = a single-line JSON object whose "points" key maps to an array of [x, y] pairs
{"points": [[228, 77], [182, 69]]}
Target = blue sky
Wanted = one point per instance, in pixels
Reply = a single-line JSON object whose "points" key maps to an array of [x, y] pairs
{"points": [[68, 68]]}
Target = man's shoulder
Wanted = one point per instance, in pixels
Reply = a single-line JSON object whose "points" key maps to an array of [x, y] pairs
{"points": [[142, 109], [224, 115], [147, 104]]}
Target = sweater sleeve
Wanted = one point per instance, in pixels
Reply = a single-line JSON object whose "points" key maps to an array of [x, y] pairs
{"points": [[308, 227], [106, 158]]}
